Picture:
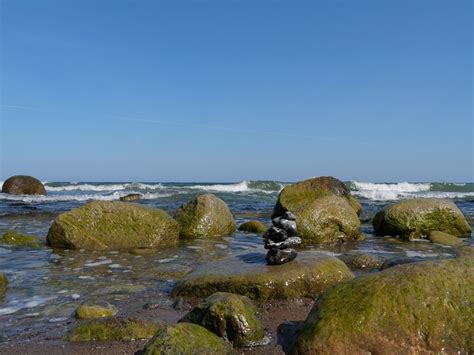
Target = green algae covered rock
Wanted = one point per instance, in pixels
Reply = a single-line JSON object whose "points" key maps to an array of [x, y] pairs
{"points": [[296, 196], [103, 225], [23, 185], [417, 217], [249, 275], [416, 308], [205, 216], [229, 316], [328, 219], [14, 238], [444, 238], [186, 338], [113, 329], [89, 311], [253, 227]]}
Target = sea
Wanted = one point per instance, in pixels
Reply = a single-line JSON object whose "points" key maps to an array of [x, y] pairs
{"points": [[47, 285]]}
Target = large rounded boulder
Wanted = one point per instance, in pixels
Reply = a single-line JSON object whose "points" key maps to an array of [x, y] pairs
{"points": [[418, 217], [329, 219], [419, 308], [23, 185], [296, 196], [205, 216], [104, 225]]}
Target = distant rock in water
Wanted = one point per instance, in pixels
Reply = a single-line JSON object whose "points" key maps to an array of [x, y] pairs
{"points": [[418, 217], [253, 227], [205, 216], [131, 197], [419, 308], [23, 185], [103, 225], [20, 240], [324, 210]]}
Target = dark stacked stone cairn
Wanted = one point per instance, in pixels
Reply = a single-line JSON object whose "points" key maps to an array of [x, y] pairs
{"points": [[280, 238]]}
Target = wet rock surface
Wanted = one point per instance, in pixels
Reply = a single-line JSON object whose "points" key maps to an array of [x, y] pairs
{"points": [[23, 185], [20, 240], [230, 316]]}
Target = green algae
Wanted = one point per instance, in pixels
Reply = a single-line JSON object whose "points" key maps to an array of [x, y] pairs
{"points": [[20, 240], [186, 338], [102, 225], [413, 308], [253, 227], [205, 216], [229, 316], [92, 311], [113, 329]]}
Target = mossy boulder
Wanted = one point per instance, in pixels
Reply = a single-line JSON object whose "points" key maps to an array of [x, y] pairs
{"points": [[361, 261], [416, 308], [23, 185], [205, 216], [230, 316], [417, 217], [329, 219], [92, 311], [186, 338], [21, 240], [113, 329], [104, 225], [249, 275], [444, 238], [296, 196], [253, 227]]}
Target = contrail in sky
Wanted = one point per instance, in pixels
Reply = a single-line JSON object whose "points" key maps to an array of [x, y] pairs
{"points": [[178, 123]]}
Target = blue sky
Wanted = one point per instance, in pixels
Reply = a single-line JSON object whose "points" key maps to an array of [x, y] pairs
{"points": [[231, 90]]}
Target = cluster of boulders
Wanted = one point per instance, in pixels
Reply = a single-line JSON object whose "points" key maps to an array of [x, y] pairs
{"points": [[280, 238]]}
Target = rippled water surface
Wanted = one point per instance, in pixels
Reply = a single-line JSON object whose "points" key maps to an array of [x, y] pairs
{"points": [[47, 285]]}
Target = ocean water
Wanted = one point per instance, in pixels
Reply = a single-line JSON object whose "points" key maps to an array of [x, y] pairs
{"points": [[47, 285]]}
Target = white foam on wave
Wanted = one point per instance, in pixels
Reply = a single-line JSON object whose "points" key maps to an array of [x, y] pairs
{"points": [[78, 197], [401, 190], [239, 187]]}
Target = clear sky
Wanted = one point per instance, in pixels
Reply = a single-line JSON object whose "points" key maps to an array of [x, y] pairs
{"points": [[377, 90]]}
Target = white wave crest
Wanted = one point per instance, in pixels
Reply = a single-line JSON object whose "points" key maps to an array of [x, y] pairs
{"points": [[401, 190], [242, 186]]}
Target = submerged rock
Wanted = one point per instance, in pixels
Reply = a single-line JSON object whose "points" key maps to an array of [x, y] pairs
{"points": [[23, 185], [113, 329], [328, 219], [253, 227], [417, 217], [307, 276], [22, 240], [3, 283], [361, 261], [230, 316], [186, 338], [205, 216], [86, 311], [131, 197], [102, 225], [416, 308], [296, 196], [401, 260], [444, 238]]}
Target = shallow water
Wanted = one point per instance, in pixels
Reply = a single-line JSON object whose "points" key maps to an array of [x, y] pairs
{"points": [[47, 285]]}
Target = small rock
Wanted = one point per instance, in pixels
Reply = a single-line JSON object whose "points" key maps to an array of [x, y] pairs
{"points": [[253, 227], [279, 256], [131, 197], [86, 311], [444, 238]]}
